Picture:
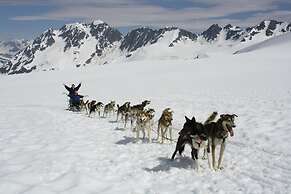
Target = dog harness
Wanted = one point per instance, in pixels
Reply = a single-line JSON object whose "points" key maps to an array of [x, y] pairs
{"points": [[196, 141]]}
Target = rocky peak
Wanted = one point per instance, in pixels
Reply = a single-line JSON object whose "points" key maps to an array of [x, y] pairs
{"points": [[142, 36], [212, 32]]}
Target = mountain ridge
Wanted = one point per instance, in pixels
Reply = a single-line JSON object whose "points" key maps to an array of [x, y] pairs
{"points": [[81, 44]]}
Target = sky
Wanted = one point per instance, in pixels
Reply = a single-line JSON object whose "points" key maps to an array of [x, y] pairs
{"points": [[26, 19]]}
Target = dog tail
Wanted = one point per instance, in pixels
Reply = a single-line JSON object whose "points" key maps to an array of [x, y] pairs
{"points": [[211, 118]]}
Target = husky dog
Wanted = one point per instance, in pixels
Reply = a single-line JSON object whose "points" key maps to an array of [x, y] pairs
{"points": [[90, 107], [211, 118], [165, 124], [136, 109], [217, 134], [93, 107], [194, 135], [144, 123], [124, 111], [99, 106], [83, 104], [109, 108]]}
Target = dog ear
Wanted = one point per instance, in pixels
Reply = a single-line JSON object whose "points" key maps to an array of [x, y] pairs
{"points": [[187, 119], [234, 115], [193, 119]]}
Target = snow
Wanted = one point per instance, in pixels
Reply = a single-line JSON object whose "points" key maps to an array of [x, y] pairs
{"points": [[46, 149], [10, 48], [185, 49], [281, 40], [97, 22]]}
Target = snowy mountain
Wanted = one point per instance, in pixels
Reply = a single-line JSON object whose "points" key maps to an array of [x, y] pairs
{"points": [[82, 44], [142, 36], [3, 61], [9, 48], [227, 32], [71, 46], [163, 43], [266, 29], [260, 32]]}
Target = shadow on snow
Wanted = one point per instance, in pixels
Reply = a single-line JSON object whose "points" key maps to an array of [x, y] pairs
{"points": [[166, 164], [127, 140]]}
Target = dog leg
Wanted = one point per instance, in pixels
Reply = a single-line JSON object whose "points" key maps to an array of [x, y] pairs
{"points": [[117, 116], [174, 154], [181, 149], [143, 132], [222, 148], [149, 133], [125, 122], [137, 132], [164, 132], [208, 154], [213, 156], [158, 136], [178, 148], [87, 111], [131, 122], [162, 135], [167, 132], [198, 166], [126, 119], [204, 157], [170, 131], [194, 155]]}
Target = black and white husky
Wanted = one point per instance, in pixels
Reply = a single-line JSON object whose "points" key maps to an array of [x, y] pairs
{"points": [[194, 135], [93, 107], [124, 111]]}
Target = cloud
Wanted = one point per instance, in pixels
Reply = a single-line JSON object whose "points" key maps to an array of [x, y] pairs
{"points": [[23, 2], [126, 13]]}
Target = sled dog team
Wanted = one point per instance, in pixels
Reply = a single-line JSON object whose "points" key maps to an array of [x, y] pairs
{"points": [[141, 119], [198, 136]]}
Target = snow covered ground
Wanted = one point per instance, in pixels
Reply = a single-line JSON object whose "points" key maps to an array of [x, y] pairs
{"points": [[282, 40], [46, 150]]}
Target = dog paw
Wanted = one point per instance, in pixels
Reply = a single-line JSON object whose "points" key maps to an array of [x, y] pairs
{"points": [[221, 168], [204, 158]]}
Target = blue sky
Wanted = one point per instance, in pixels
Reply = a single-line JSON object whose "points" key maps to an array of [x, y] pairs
{"points": [[28, 18]]}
